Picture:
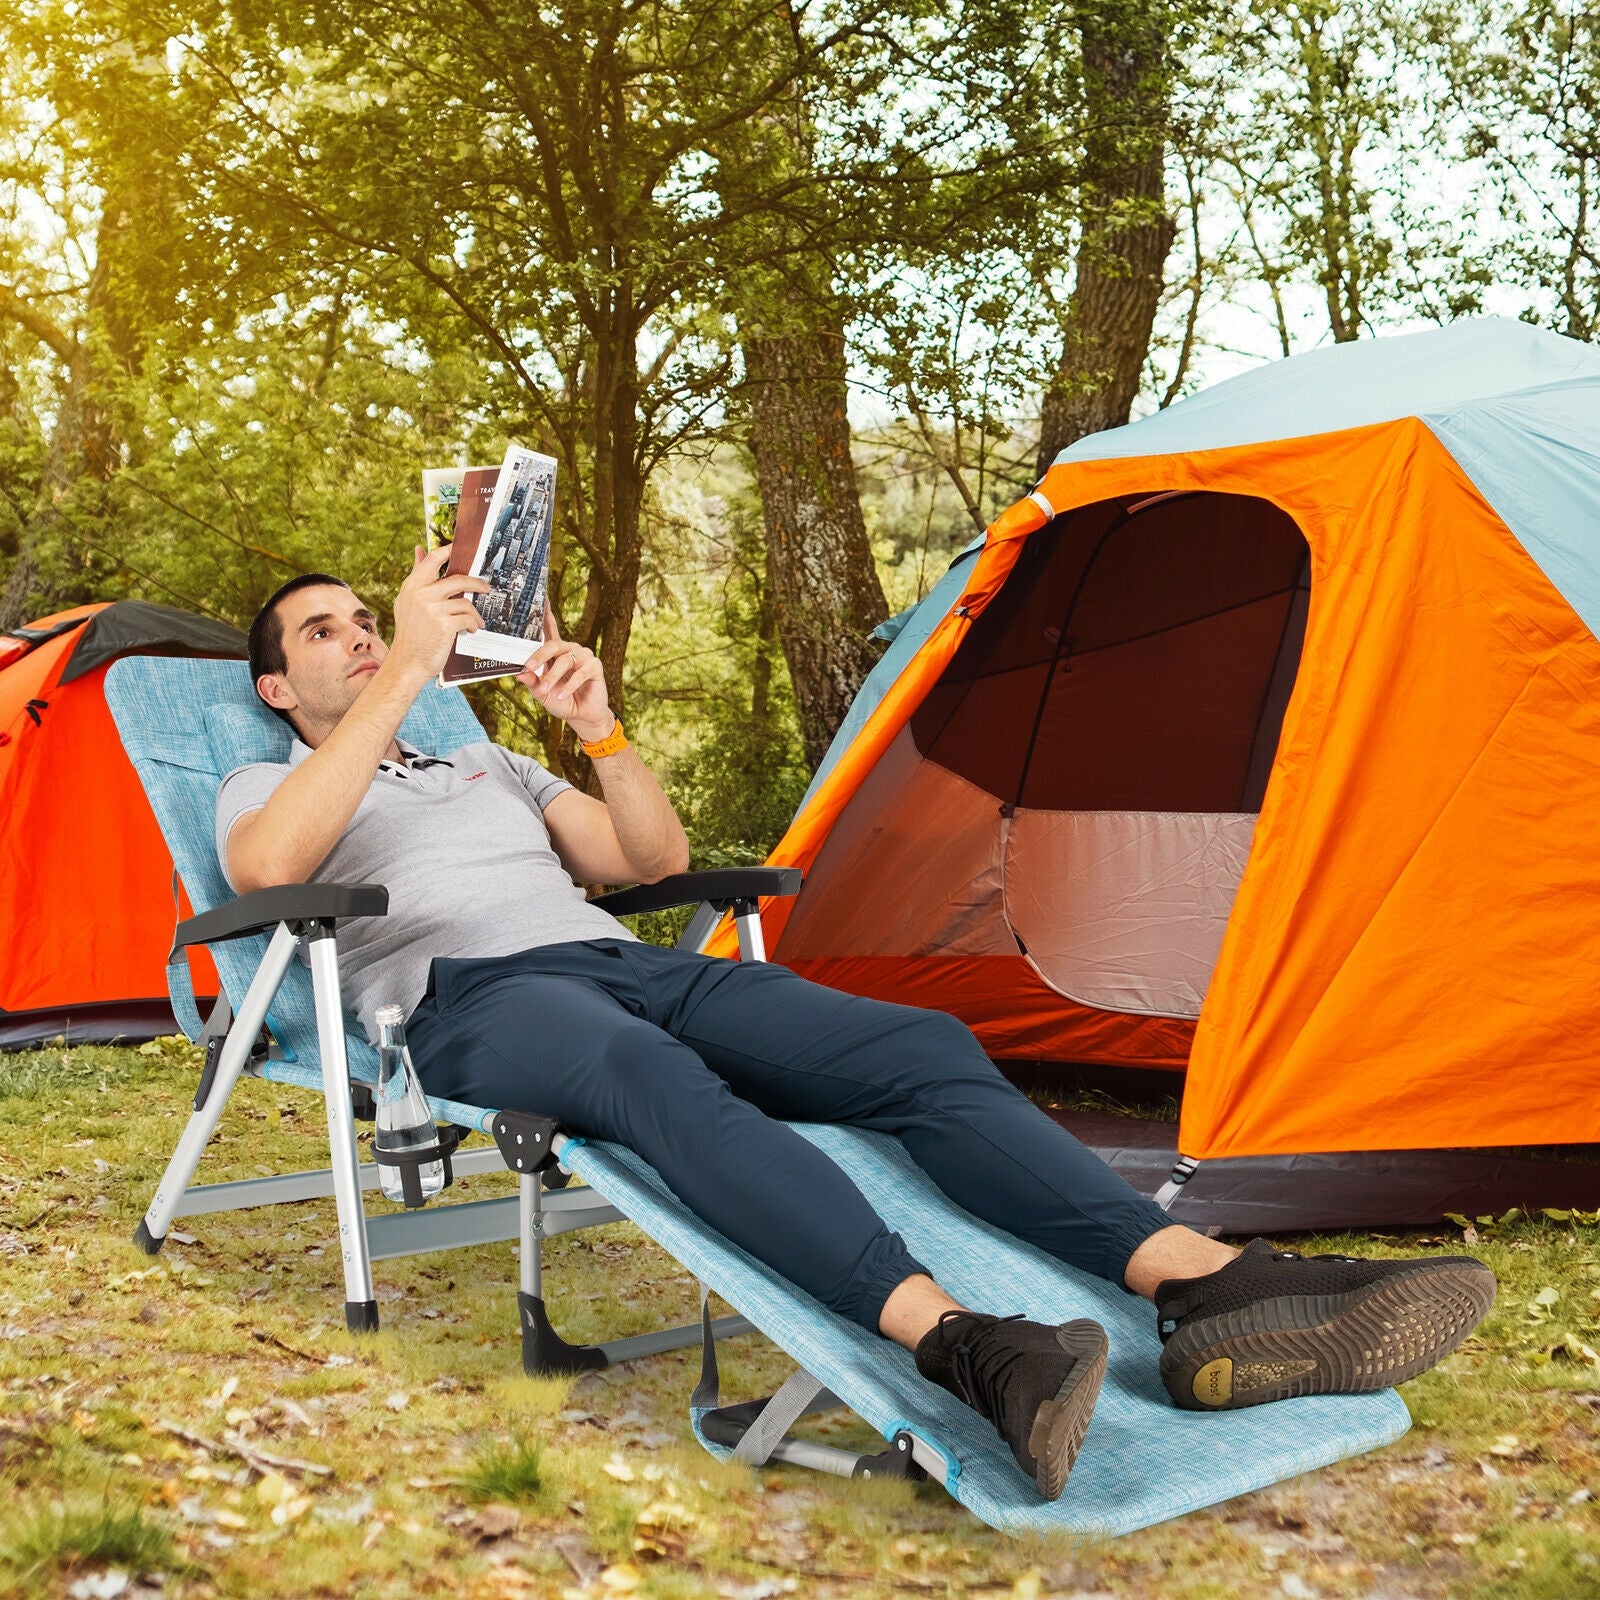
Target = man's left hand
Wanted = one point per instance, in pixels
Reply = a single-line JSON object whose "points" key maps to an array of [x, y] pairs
{"points": [[569, 682]]}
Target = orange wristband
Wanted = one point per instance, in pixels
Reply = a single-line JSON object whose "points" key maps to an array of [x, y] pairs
{"points": [[613, 742]]}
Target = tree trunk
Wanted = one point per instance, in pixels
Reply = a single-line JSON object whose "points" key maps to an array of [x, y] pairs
{"points": [[615, 529], [85, 443], [1126, 236], [819, 560]]}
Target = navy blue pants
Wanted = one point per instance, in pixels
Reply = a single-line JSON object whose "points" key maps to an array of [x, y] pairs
{"points": [[688, 1060]]}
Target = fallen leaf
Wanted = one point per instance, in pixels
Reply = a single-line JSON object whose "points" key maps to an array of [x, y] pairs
{"points": [[100, 1586], [398, 1401], [661, 1531], [573, 1548], [493, 1522], [274, 1489], [622, 1577], [619, 1469], [291, 1510]]}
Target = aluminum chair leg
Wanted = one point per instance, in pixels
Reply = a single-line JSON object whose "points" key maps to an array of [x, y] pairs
{"points": [[360, 1305], [545, 1353], [152, 1230], [752, 941]]}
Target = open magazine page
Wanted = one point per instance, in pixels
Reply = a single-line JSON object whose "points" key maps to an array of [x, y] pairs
{"points": [[466, 505], [513, 554]]}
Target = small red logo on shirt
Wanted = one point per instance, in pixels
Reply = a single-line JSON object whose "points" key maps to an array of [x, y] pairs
{"points": [[477, 775]]}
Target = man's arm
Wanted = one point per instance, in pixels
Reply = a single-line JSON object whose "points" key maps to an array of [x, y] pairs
{"points": [[632, 836], [290, 837]]}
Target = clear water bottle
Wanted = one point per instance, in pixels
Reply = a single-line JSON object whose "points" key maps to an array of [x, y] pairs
{"points": [[404, 1122]]}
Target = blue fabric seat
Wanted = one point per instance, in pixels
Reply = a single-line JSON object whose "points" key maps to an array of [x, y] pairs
{"points": [[186, 723]]}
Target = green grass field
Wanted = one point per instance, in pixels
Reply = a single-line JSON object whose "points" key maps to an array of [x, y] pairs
{"points": [[203, 1425]]}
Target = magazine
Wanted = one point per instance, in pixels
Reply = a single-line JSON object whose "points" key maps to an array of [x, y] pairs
{"points": [[499, 521], [455, 504]]}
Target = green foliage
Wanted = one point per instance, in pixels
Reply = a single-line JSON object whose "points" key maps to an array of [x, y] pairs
{"points": [[80, 1532], [1524, 82]]}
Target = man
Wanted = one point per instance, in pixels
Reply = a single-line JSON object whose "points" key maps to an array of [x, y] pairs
{"points": [[522, 995]]}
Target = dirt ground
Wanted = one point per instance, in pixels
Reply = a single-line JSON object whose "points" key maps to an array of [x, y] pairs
{"points": [[202, 1424]]}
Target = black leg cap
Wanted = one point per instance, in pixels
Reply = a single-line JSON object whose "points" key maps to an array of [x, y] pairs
{"points": [[146, 1240], [361, 1316], [545, 1354]]}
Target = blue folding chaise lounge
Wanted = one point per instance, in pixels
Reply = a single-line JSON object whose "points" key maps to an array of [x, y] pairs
{"points": [[187, 723]]}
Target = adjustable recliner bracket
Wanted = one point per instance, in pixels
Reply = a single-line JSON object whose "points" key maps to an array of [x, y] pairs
{"points": [[213, 1036], [526, 1143]]}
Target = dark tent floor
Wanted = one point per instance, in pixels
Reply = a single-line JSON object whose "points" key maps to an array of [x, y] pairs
{"points": [[1367, 1189]]}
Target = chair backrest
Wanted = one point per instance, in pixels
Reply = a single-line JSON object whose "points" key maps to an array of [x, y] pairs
{"points": [[186, 724]]}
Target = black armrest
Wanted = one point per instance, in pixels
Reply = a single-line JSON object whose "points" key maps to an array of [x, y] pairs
{"points": [[283, 902], [722, 886]]}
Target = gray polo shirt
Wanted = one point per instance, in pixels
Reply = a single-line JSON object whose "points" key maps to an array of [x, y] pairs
{"points": [[462, 848]]}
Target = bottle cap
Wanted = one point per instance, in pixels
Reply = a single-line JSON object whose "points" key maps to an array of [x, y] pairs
{"points": [[387, 1016]]}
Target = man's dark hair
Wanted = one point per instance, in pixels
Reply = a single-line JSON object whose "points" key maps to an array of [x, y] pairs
{"points": [[266, 634]]}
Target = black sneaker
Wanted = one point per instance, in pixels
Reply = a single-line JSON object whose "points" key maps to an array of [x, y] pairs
{"points": [[1272, 1324], [1036, 1384]]}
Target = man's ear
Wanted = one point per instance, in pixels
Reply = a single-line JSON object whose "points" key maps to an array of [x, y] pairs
{"points": [[275, 692]]}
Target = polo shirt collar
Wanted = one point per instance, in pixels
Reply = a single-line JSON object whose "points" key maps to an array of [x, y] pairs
{"points": [[300, 751]]}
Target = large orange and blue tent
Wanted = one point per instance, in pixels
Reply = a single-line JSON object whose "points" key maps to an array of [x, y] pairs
{"points": [[86, 888], [1261, 741]]}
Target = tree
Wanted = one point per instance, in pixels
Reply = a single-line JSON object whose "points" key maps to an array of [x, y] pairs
{"points": [[1126, 230], [535, 187], [78, 305], [1526, 80]]}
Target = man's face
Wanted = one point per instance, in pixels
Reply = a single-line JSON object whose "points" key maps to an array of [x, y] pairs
{"points": [[332, 649]]}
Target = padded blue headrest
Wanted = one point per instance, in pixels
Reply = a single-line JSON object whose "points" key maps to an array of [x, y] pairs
{"points": [[241, 735], [204, 716]]}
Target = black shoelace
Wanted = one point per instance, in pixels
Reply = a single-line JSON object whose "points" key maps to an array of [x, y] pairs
{"points": [[980, 1364]]}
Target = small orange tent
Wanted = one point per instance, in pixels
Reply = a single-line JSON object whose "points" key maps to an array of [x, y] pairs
{"points": [[1262, 740], [86, 894]]}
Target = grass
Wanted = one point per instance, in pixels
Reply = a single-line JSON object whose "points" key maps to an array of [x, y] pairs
{"points": [[505, 1470], [134, 1394], [86, 1534]]}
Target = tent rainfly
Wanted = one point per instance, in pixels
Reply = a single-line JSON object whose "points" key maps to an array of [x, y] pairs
{"points": [[1261, 740], [86, 884]]}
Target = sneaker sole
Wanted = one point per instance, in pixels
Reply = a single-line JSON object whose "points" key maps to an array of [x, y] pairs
{"points": [[1060, 1424], [1355, 1343]]}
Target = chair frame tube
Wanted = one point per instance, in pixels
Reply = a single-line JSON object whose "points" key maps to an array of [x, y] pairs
{"points": [[360, 1304], [202, 1124]]}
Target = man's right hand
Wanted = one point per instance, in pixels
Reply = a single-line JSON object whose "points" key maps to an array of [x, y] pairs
{"points": [[429, 611]]}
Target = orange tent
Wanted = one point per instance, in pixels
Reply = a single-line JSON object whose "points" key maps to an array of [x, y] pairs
{"points": [[86, 891], [1261, 740]]}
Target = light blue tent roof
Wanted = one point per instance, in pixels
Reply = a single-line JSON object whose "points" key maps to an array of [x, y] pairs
{"points": [[1517, 408]]}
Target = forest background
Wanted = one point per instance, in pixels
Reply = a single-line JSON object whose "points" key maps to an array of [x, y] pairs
{"points": [[798, 294]]}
